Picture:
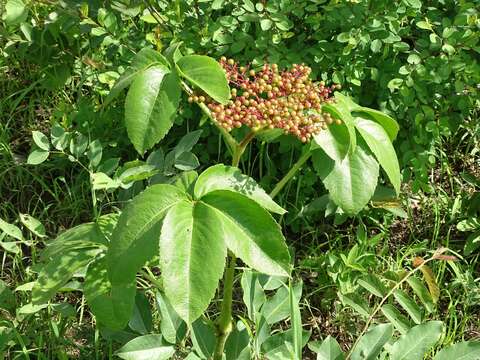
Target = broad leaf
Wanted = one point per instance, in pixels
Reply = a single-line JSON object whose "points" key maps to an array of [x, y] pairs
{"points": [[33, 225], [203, 338], [11, 230], [250, 232], [379, 143], [58, 271], [277, 308], [351, 182], [328, 349], [222, 177], [207, 74], [417, 341], [334, 141], [112, 306], [135, 238], [389, 125], [409, 305], [236, 346], [141, 320], [151, 103], [465, 350], [399, 321], [147, 347], [253, 295], [192, 236], [172, 327], [371, 344], [86, 235], [142, 60]]}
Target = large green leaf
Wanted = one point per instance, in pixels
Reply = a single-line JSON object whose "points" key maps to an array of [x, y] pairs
{"points": [[379, 143], [328, 349], [250, 232], [334, 141], [147, 347], [142, 60], [82, 236], [58, 271], [222, 177], [151, 103], [465, 350], [207, 74], [389, 125], [15, 12], [351, 182], [417, 341], [111, 305], [192, 257], [371, 344], [135, 238]]}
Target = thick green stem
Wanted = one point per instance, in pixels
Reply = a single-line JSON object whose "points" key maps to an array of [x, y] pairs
{"points": [[290, 173], [224, 322]]}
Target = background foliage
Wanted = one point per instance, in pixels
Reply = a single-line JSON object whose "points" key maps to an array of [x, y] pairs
{"points": [[417, 61]]}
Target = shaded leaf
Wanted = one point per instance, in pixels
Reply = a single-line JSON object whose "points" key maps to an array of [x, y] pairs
{"points": [[371, 344]]}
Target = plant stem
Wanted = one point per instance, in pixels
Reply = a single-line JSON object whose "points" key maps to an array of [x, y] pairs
{"points": [[305, 156], [224, 322], [240, 148]]}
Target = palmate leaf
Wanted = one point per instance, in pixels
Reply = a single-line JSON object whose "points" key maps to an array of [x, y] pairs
{"points": [[151, 103], [250, 232], [135, 238], [193, 233]]}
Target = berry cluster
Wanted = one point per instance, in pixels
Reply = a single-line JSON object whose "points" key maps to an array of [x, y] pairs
{"points": [[271, 98]]}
